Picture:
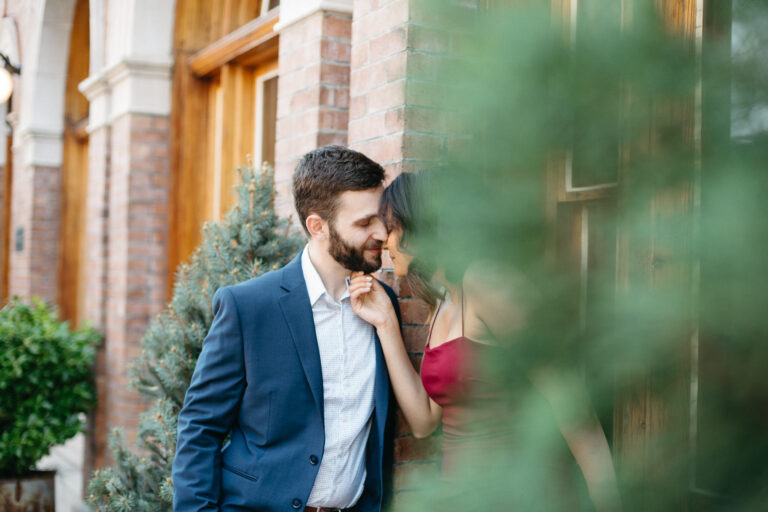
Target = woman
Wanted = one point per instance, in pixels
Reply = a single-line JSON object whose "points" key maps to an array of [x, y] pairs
{"points": [[452, 389]]}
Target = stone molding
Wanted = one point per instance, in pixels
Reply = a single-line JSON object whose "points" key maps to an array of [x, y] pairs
{"points": [[293, 11], [96, 89], [38, 146], [140, 86], [133, 85]]}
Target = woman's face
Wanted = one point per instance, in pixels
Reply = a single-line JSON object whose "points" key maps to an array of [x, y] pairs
{"points": [[400, 258]]}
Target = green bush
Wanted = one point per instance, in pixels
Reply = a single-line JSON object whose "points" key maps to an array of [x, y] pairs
{"points": [[46, 382]]}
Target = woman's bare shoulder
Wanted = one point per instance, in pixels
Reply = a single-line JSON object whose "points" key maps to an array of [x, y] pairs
{"points": [[498, 295]]}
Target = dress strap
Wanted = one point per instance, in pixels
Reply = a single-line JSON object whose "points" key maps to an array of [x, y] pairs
{"points": [[462, 312], [432, 323]]}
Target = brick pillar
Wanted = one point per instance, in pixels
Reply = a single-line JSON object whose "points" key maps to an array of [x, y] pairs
{"points": [[137, 246], [398, 117], [313, 88], [396, 104], [127, 231], [35, 225], [97, 207], [96, 243]]}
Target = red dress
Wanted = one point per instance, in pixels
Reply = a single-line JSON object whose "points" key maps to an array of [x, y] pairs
{"points": [[452, 376], [479, 419]]}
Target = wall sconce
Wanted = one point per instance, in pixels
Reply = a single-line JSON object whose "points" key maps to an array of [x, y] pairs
{"points": [[6, 80]]}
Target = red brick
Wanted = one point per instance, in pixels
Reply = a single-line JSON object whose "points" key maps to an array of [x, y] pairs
{"points": [[395, 66], [410, 449], [415, 337], [366, 128], [401, 287], [335, 50], [386, 97], [334, 73], [333, 119], [334, 96], [325, 138], [387, 44], [359, 55], [363, 7], [414, 311], [385, 149], [139, 123], [375, 22], [299, 58], [358, 105], [369, 77], [337, 26]]}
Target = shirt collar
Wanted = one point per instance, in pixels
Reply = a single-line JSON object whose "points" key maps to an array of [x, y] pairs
{"points": [[315, 286]]}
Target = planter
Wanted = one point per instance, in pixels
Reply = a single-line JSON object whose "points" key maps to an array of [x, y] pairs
{"points": [[34, 492]]}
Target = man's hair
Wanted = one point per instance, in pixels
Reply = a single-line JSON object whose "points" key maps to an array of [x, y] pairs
{"points": [[324, 173]]}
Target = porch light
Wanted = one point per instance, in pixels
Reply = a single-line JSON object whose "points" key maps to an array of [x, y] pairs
{"points": [[6, 80]]}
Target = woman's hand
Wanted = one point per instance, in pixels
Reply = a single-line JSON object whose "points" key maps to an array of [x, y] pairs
{"points": [[370, 301]]}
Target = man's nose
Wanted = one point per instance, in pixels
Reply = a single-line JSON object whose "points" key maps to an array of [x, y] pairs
{"points": [[379, 231]]}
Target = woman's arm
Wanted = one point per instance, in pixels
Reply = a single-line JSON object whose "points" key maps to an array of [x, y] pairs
{"points": [[371, 303], [566, 393], [498, 298]]}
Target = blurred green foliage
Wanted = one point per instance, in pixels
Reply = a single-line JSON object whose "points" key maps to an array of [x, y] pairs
{"points": [[46, 382], [618, 163]]}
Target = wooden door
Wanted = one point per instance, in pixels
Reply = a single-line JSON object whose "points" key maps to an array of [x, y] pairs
{"points": [[730, 411], [74, 172]]}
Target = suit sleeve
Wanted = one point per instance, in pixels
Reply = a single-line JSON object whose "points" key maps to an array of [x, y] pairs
{"points": [[388, 462], [210, 409], [395, 302]]}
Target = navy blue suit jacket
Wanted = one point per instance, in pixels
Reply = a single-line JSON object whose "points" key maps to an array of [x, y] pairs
{"points": [[259, 380]]}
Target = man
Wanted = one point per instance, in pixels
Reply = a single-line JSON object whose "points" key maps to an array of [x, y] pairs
{"points": [[289, 372]]}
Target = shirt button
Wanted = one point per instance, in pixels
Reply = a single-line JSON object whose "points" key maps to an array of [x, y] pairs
{"points": [[313, 460], [296, 503]]}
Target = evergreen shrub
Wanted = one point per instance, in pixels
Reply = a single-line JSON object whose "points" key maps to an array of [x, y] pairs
{"points": [[46, 382]]}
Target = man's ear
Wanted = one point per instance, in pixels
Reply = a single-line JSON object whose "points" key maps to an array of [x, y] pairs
{"points": [[316, 227]]}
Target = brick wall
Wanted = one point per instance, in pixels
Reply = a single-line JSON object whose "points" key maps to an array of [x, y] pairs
{"points": [[97, 235], [95, 283], [137, 273], [35, 209], [397, 96], [378, 81], [313, 93], [398, 117]]}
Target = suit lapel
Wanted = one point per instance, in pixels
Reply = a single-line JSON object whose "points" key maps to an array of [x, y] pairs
{"points": [[297, 312], [382, 391]]}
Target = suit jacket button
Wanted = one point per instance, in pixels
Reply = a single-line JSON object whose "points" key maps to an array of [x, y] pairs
{"points": [[296, 503], [313, 460]]}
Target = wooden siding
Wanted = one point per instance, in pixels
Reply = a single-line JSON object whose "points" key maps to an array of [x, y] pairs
{"points": [[220, 48], [74, 172]]}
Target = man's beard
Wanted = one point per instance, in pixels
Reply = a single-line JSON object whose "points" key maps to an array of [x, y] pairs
{"points": [[352, 258]]}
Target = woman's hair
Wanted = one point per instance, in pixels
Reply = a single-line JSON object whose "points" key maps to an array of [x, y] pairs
{"points": [[402, 207]]}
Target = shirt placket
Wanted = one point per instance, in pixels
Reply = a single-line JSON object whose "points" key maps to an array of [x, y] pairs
{"points": [[340, 377]]}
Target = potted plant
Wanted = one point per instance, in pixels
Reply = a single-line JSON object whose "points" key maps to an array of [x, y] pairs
{"points": [[46, 386]]}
